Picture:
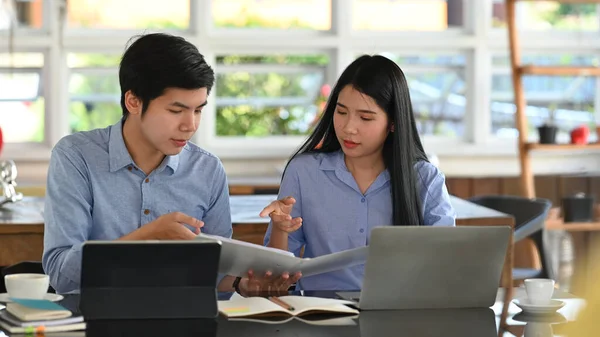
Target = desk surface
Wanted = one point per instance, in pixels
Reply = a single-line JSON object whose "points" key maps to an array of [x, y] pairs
{"points": [[245, 210], [26, 215], [483, 322]]}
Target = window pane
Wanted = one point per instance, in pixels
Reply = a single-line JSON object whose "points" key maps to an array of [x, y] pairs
{"points": [[94, 91], [566, 100], [268, 95], [21, 99], [27, 14], [129, 14], [407, 15], [437, 89], [273, 14], [547, 15]]}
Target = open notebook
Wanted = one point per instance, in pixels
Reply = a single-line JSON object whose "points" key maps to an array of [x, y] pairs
{"points": [[260, 307]]}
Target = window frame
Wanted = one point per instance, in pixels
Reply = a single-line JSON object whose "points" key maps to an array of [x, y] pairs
{"points": [[477, 40]]}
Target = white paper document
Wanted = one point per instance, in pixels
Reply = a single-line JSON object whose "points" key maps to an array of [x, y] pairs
{"points": [[237, 257]]}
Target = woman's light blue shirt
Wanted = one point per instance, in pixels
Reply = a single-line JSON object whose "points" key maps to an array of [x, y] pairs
{"points": [[337, 216]]}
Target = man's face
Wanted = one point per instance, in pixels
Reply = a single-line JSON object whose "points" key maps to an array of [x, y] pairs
{"points": [[172, 119]]}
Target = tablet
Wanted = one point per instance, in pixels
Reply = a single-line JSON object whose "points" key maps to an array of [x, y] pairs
{"points": [[237, 257], [149, 279]]}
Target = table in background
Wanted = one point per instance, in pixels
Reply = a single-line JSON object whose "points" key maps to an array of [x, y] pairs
{"points": [[248, 226], [22, 231], [22, 223]]}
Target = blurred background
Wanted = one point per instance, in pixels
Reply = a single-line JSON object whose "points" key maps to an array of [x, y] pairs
{"points": [[276, 60]]}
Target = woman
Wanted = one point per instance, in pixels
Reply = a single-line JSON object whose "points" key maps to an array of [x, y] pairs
{"points": [[363, 166]]}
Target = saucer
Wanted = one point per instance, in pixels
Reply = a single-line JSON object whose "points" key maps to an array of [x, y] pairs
{"points": [[50, 297], [552, 318], [539, 309]]}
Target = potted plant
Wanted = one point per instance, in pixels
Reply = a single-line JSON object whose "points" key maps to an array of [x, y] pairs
{"points": [[548, 130]]}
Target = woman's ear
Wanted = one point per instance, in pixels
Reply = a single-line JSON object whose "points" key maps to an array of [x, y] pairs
{"points": [[392, 127], [133, 103]]}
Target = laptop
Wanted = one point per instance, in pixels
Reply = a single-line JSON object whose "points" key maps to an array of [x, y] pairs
{"points": [[424, 267], [149, 279], [480, 322]]}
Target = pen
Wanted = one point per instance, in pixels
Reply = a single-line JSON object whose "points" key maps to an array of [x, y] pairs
{"points": [[278, 301]]}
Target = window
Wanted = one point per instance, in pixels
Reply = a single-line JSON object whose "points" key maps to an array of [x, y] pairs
{"points": [[272, 14], [94, 91], [569, 101], [437, 89], [26, 14], [21, 97], [549, 15], [276, 60], [265, 95], [412, 15], [129, 14]]}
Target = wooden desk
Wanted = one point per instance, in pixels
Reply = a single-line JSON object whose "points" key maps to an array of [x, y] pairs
{"points": [[22, 223], [22, 231]]}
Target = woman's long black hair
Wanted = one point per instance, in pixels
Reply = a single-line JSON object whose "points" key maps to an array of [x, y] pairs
{"points": [[381, 79]]}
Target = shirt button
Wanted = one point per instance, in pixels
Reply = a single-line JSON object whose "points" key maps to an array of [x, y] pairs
{"points": [[147, 180], [146, 211], [129, 168], [363, 200], [362, 230]]}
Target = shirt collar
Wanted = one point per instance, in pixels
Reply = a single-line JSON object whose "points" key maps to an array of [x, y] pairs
{"points": [[334, 161], [117, 152], [119, 155], [172, 161]]}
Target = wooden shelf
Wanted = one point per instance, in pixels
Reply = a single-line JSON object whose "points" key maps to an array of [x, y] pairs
{"points": [[558, 224], [537, 146], [559, 71], [519, 71]]}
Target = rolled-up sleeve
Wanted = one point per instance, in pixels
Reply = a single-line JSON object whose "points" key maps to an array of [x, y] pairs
{"points": [[437, 208], [67, 217], [218, 216]]}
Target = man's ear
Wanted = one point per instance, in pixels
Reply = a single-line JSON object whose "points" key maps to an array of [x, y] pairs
{"points": [[133, 103]]}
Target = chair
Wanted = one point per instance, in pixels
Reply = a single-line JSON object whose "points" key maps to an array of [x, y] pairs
{"points": [[34, 267], [529, 215]]}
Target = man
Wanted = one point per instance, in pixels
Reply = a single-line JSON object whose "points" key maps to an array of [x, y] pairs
{"points": [[141, 178]]}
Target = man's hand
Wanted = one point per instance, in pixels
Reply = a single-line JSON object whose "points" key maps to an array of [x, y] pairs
{"points": [[267, 285], [167, 227]]}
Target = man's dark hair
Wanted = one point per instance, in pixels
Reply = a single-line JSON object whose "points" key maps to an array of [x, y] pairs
{"points": [[155, 62]]}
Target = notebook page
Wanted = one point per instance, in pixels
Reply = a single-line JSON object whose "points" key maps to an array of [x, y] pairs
{"points": [[305, 304], [249, 306]]}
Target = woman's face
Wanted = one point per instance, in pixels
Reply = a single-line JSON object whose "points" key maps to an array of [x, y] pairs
{"points": [[361, 126]]}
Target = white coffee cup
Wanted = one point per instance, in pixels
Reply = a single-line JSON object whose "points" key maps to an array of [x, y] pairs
{"points": [[30, 286], [539, 291]]}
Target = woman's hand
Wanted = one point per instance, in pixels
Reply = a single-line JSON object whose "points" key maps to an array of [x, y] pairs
{"points": [[280, 213], [267, 285]]}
